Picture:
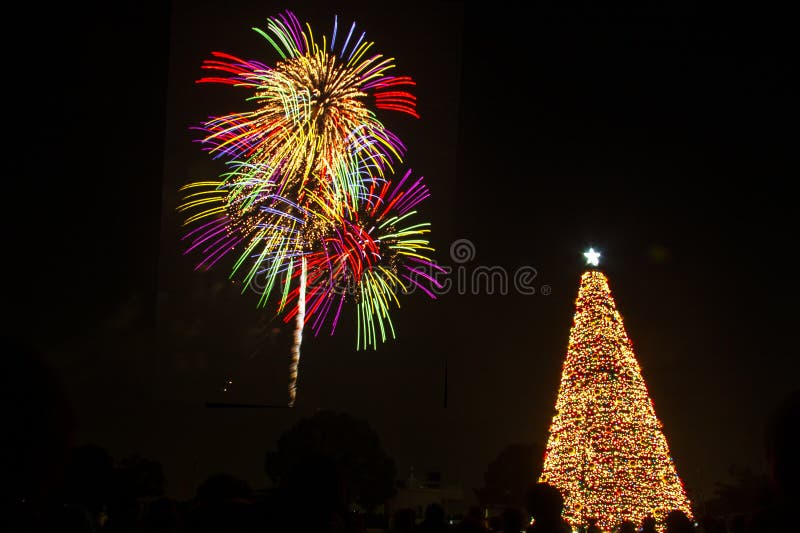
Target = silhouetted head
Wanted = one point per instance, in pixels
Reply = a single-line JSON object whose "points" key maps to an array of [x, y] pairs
{"points": [[627, 527], [678, 522], [434, 514], [544, 502], [648, 523]]}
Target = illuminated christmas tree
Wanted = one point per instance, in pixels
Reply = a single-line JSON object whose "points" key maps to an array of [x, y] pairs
{"points": [[607, 452]]}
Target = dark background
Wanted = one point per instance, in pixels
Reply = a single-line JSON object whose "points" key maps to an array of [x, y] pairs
{"points": [[660, 135]]}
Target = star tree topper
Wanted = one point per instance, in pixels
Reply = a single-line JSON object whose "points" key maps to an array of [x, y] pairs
{"points": [[592, 257]]}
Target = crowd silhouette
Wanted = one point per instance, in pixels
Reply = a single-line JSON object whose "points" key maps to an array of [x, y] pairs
{"points": [[48, 484]]}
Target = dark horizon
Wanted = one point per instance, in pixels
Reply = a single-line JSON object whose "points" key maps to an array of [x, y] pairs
{"points": [[657, 135]]}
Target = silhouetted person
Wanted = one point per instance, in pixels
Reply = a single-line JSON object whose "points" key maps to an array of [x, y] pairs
{"points": [[403, 521], [784, 462], [433, 521], [627, 527], [513, 520], [648, 525], [545, 503], [472, 521], [678, 522]]}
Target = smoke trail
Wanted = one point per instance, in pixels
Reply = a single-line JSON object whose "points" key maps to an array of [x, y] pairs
{"points": [[298, 335]]}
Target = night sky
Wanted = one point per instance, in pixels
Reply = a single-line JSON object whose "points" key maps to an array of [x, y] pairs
{"points": [[658, 135]]}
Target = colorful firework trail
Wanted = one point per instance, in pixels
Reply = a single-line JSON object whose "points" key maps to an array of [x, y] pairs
{"points": [[307, 199], [367, 252]]}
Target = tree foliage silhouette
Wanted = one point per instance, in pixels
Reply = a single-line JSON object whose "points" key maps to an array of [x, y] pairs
{"points": [[365, 473], [510, 475]]}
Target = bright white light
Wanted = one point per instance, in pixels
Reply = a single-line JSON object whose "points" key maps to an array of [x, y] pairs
{"points": [[592, 257]]}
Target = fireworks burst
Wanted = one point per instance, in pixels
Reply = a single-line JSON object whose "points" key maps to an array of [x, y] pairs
{"points": [[307, 200], [368, 252], [311, 108]]}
